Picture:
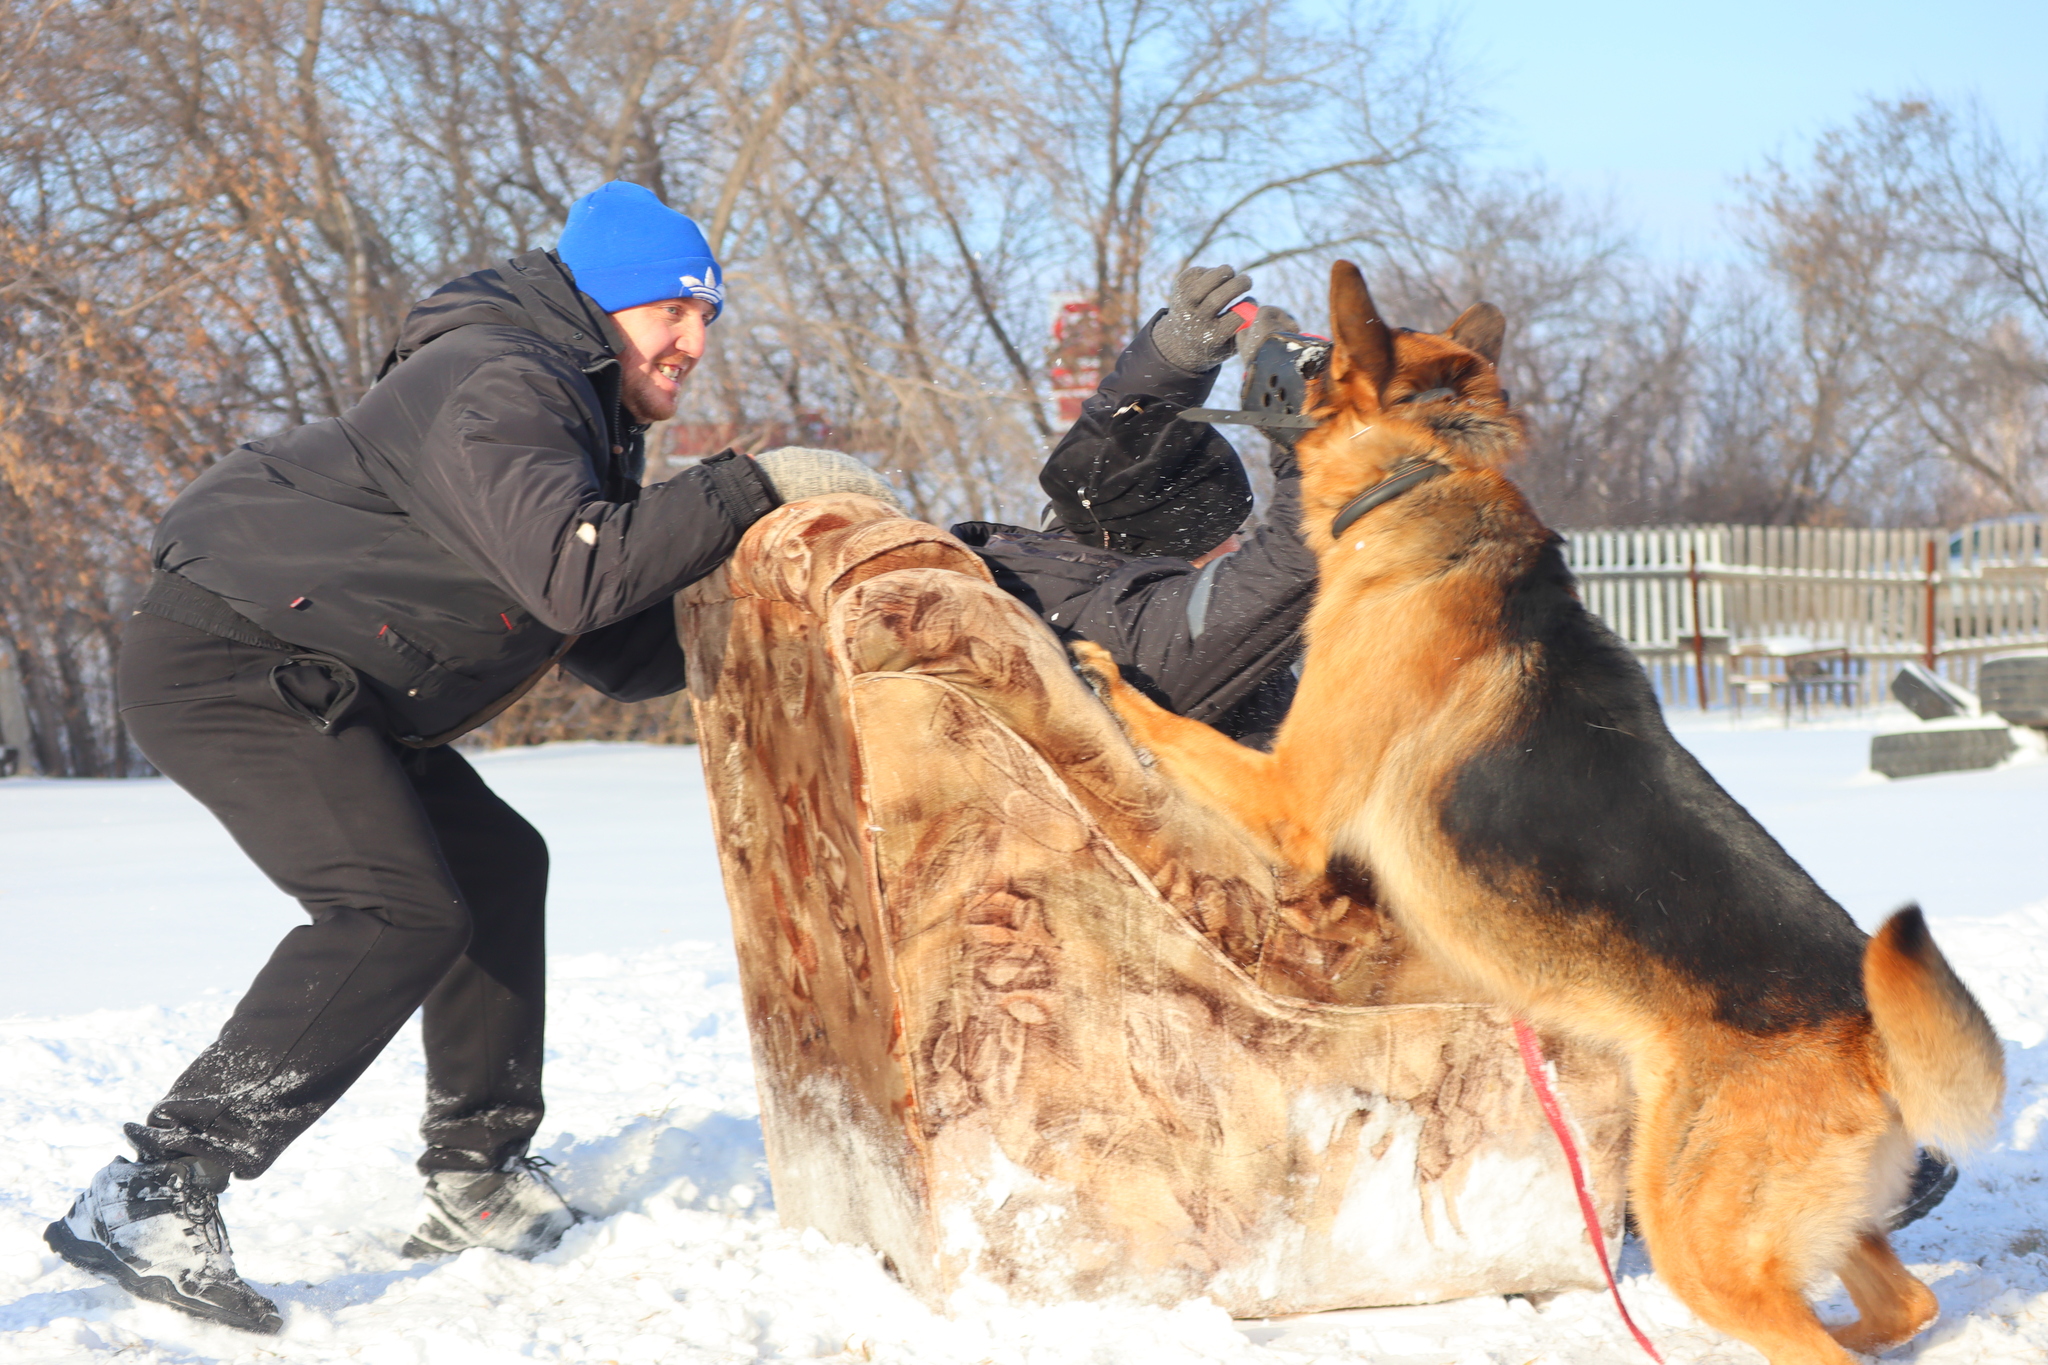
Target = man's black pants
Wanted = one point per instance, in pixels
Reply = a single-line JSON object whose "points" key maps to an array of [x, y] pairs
{"points": [[426, 891]]}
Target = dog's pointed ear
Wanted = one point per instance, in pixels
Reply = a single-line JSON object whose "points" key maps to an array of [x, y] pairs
{"points": [[1481, 328], [1365, 346]]}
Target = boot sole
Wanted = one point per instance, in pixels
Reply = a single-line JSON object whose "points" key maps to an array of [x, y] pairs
{"points": [[418, 1247], [1919, 1208], [416, 1250], [95, 1259]]}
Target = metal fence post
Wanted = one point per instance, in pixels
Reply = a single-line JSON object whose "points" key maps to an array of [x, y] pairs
{"points": [[1699, 637], [1928, 658]]}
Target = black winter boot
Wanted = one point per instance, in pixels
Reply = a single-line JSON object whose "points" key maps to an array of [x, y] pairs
{"points": [[516, 1210], [154, 1228], [1933, 1178]]}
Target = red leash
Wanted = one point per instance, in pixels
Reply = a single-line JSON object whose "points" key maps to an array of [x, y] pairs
{"points": [[1532, 1062]]}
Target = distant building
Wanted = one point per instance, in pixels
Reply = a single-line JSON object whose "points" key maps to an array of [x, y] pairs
{"points": [[1077, 356]]}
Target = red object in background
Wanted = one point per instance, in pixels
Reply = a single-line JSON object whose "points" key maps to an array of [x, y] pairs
{"points": [[1080, 350], [1699, 635], [1074, 362], [1931, 653]]}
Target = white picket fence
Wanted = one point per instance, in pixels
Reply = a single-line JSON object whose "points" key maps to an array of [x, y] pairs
{"points": [[1820, 615]]}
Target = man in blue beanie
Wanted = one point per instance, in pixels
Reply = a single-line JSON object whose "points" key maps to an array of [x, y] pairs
{"points": [[329, 608], [651, 269]]}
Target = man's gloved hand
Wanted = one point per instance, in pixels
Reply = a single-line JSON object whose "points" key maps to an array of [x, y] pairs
{"points": [[1268, 320], [1196, 334], [800, 472]]}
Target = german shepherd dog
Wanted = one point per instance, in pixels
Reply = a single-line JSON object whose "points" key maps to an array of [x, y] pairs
{"points": [[1481, 746]]}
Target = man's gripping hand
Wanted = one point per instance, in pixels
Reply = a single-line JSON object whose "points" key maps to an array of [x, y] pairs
{"points": [[800, 472], [1265, 322]]}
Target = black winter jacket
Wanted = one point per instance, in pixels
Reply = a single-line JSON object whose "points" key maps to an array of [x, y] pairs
{"points": [[1216, 643], [479, 505]]}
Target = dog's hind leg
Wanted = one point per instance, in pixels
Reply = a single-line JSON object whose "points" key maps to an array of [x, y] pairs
{"points": [[1894, 1306], [1756, 1299], [1748, 1179]]}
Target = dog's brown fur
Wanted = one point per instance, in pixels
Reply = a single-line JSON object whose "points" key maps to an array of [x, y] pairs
{"points": [[1468, 734]]}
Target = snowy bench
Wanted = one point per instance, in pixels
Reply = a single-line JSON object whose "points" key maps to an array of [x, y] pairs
{"points": [[1023, 1014]]}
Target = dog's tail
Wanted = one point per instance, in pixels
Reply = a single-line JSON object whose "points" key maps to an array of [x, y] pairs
{"points": [[1947, 1068]]}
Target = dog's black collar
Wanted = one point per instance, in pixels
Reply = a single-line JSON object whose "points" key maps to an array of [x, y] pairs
{"points": [[1386, 490]]}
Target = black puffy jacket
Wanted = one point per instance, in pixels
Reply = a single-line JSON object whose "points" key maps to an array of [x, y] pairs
{"points": [[481, 504], [1215, 643]]}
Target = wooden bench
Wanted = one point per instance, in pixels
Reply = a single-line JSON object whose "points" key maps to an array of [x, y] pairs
{"points": [[1793, 675]]}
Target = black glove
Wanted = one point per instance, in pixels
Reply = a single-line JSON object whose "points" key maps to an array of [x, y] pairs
{"points": [[1265, 323], [1196, 334]]}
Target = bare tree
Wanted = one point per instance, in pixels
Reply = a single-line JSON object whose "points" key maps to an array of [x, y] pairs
{"points": [[1178, 131], [1905, 248], [1979, 208], [1879, 355], [214, 217]]}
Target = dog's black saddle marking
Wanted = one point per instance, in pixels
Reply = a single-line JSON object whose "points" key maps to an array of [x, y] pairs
{"points": [[1590, 802]]}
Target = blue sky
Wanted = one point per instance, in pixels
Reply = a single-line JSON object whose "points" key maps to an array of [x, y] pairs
{"points": [[1660, 107]]}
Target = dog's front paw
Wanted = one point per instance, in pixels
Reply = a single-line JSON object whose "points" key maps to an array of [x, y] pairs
{"points": [[1097, 668]]}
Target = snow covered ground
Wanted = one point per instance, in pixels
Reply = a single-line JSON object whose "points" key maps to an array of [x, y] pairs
{"points": [[125, 896]]}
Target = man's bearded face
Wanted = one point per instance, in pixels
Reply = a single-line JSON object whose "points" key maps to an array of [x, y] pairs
{"points": [[664, 342]]}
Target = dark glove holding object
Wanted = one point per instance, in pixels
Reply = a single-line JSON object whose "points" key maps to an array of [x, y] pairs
{"points": [[1197, 333], [1280, 364], [1268, 320]]}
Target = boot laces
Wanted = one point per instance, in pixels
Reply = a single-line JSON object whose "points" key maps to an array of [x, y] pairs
{"points": [[199, 1209], [538, 1167]]}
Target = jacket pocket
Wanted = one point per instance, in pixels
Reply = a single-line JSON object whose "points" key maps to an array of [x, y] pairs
{"points": [[425, 676], [319, 690]]}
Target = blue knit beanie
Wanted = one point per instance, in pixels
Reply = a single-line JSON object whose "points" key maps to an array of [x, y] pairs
{"points": [[627, 248]]}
